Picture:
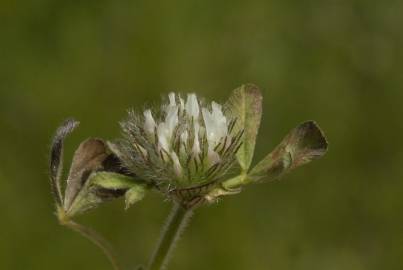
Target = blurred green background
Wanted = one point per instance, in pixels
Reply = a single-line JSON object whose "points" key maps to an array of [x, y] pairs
{"points": [[338, 62]]}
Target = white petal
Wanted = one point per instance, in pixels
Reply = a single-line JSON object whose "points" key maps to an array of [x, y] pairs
{"points": [[177, 165], [184, 136], [220, 119], [216, 124], [163, 136], [181, 104], [172, 101], [196, 143], [184, 143], [171, 119], [192, 106], [149, 123], [216, 107], [213, 157], [210, 126]]}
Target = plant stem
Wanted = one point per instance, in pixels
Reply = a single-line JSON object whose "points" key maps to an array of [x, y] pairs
{"points": [[95, 238], [175, 224]]}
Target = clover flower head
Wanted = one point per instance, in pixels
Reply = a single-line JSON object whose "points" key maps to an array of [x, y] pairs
{"points": [[184, 143]]}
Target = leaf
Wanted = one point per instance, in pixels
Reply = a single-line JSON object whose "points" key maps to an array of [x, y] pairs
{"points": [[302, 145], [102, 187], [246, 105], [56, 157], [88, 158]]}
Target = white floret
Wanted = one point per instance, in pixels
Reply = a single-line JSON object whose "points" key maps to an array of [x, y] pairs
{"points": [[149, 123], [192, 106], [216, 124]]}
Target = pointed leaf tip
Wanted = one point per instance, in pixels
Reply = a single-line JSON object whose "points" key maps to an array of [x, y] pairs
{"points": [[56, 157], [303, 144], [245, 104]]}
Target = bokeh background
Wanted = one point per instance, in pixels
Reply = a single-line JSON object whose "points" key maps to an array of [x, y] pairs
{"points": [[338, 62]]}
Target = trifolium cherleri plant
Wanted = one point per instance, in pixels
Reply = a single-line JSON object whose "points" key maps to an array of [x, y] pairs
{"points": [[190, 150]]}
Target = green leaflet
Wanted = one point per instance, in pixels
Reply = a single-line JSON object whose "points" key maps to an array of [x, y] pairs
{"points": [[105, 186], [246, 105], [302, 145]]}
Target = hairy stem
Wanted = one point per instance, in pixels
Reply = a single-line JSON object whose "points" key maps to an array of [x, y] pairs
{"points": [[95, 238], [176, 223]]}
